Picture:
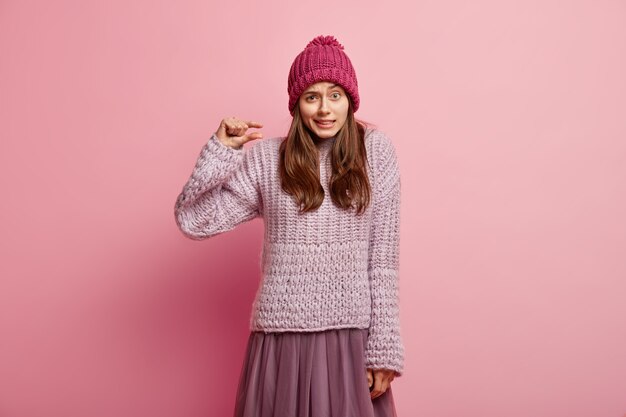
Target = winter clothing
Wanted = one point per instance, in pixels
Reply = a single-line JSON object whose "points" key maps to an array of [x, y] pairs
{"points": [[323, 59], [321, 270]]}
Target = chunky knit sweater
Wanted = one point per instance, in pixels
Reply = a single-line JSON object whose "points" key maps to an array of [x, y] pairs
{"points": [[325, 269]]}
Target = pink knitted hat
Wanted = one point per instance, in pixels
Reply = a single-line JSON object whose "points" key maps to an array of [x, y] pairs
{"points": [[323, 59]]}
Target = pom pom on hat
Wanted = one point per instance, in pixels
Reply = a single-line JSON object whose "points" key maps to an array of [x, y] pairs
{"points": [[323, 59], [325, 40]]}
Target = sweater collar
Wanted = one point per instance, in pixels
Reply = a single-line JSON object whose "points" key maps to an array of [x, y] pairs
{"points": [[326, 143]]}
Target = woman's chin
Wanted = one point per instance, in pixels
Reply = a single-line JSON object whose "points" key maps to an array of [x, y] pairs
{"points": [[325, 133]]}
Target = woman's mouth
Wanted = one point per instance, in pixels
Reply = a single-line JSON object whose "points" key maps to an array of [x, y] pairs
{"points": [[324, 124]]}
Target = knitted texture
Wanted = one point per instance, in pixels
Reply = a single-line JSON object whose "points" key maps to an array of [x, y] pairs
{"points": [[323, 59], [321, 270]]}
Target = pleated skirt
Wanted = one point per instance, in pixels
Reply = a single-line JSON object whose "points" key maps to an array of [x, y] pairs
{"points": [[308, 374]]}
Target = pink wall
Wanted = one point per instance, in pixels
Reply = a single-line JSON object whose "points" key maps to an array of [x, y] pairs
{"points": [[510, 121]]}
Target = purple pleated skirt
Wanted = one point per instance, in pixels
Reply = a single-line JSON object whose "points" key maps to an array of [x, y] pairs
{"points": [[308, 374]]}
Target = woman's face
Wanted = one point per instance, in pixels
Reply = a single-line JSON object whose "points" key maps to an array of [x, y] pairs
{"points": [[324, 101]]}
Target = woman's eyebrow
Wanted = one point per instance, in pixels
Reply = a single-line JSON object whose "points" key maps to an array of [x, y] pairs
{"points": [[315, 91]]}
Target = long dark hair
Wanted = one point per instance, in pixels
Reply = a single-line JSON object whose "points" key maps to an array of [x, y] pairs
{"points": [[299, 166]]}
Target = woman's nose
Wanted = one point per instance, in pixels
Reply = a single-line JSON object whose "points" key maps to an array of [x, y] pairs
{"points": [[323, 106]]}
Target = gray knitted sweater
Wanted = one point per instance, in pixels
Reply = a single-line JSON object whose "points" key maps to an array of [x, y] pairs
{"points": [[326, 269]]}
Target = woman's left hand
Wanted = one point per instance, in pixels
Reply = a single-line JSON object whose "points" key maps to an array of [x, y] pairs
{"points": [[381, 379]]}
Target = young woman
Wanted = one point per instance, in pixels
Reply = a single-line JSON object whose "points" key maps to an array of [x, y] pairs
{"points": [[325, 331]]}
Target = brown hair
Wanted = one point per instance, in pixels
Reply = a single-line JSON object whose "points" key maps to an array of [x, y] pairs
{"points": [[299, 166]]}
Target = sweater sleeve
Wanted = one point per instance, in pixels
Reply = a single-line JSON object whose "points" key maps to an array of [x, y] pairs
{"points": [[222, 191], [385, 349]]}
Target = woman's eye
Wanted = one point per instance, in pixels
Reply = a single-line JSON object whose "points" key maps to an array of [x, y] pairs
{"points": [[336, 95]]}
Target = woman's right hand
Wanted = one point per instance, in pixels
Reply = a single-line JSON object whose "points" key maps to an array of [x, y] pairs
{"points": [[232, 132]]}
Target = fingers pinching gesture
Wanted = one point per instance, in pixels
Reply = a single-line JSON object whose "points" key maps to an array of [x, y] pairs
{"points": [[379, 380], [232, 132]]}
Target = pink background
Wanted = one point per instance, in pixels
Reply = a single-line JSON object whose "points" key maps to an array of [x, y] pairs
{"points": [[510, 122]]}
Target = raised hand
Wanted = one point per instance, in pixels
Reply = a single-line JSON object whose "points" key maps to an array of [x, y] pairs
{"points": [[232, 132]]}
